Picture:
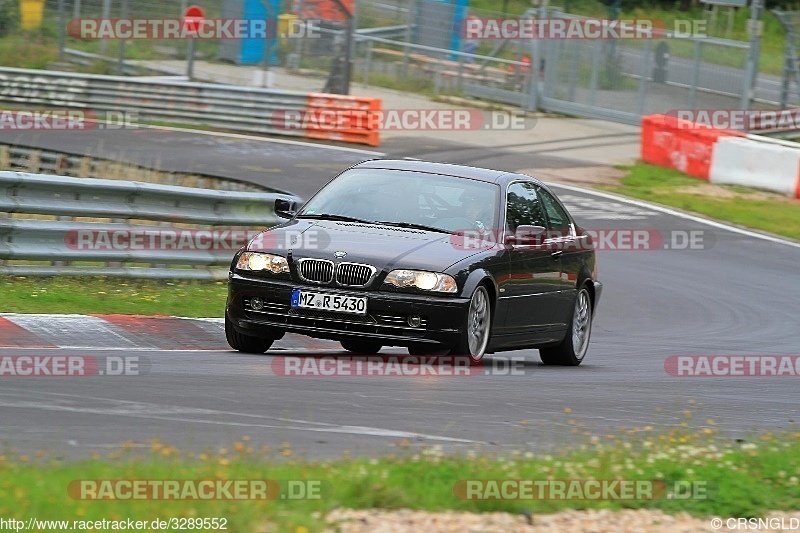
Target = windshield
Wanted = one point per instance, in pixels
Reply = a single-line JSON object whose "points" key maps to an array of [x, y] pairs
{"points": [[438, 202]]}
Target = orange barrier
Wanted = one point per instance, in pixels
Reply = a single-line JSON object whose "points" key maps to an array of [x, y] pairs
{"points": [[685, 146], [343, 118], [327, 10]]}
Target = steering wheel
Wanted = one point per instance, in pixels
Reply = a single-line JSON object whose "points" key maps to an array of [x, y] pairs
{"points": [[459, 224]]}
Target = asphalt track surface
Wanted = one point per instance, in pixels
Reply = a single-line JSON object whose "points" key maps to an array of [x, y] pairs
{"points": [[280, 164], [739, 295]]}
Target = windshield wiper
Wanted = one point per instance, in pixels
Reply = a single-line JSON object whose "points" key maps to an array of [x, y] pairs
{"points": [[412, 225], [330, 216]]}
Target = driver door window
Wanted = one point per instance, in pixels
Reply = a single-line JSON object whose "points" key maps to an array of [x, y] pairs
{"points": [[523, 207]]}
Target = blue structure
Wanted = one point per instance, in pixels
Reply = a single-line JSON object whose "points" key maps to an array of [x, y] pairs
{"points": [[252, 51], [459, 21], [435, 17]]}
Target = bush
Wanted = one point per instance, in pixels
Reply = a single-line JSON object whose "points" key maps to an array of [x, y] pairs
{"points": [[9, 16]]}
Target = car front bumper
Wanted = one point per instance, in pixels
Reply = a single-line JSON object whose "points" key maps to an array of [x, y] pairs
{"points": [[598, 292], [386, 321]]}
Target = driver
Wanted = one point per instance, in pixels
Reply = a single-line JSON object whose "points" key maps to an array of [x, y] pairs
{"points": [[475, 209]]}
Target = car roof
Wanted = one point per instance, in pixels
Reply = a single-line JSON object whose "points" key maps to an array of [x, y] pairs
{"points": [[445, 169]]}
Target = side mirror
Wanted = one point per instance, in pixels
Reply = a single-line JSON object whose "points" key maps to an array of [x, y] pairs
{"points": [[285, 208], [527, 235]]}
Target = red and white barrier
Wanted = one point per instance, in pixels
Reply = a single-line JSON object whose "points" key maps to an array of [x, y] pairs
{"points": [[721, 156]]}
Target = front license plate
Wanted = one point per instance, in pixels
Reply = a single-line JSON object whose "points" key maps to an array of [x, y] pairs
{"points": [[339, 303]]}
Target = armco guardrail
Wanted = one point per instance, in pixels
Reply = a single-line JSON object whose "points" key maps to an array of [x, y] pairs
{"points": [[185, 241], [38, 161], [721, 156], [230, 107]]}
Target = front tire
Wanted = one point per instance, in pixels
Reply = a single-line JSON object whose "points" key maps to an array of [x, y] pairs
{"points": [[245, 343], [475, 331], [573, 348], [361, 347]]}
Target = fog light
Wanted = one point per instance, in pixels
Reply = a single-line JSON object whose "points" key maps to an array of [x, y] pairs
{"points": [[257, 303], [414, 321]]}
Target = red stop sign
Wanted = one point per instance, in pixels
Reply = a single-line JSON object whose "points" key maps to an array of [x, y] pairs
{"points": [[192, 18]]}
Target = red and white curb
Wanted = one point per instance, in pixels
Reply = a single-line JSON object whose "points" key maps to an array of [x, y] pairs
{"points": [[130, 332], [112, 332]]}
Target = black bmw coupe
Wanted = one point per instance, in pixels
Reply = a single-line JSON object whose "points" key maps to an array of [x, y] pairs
{"points": [[434, 257]]}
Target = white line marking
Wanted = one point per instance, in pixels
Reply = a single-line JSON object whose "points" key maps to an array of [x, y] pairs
{"points": [[162, 412], [733, 229], [268, 139]]}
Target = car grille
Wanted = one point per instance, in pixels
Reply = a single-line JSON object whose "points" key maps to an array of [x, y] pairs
{"points": [[347, 274], [353, 274], [315, 270]]}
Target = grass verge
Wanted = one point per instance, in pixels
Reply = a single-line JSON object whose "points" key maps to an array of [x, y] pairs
{"points": [[100, 295], [739, 479], [752, 208]]}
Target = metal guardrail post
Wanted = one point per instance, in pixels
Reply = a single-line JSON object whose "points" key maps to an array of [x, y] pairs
{"points": [[698, 55], [368, 63], [573, 73], [755, 25], [121, 49], [62, 28], [594, 74], [643, 77], [437, 80], [791, 63]]}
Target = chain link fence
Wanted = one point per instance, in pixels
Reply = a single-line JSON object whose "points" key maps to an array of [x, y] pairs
{"points": [[791, 65], [626, 78], [418, 45]]}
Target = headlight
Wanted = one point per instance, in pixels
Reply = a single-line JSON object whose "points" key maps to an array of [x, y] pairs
{"points": [[421, 279], [258, 261]]}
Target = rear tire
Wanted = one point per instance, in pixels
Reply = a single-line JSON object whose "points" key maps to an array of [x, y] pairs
{"points": [[361, 347], [245, 343], [573, 348], [477, 324]]}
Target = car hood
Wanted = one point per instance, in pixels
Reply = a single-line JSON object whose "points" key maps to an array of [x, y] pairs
{"points": [[385, 247]]}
